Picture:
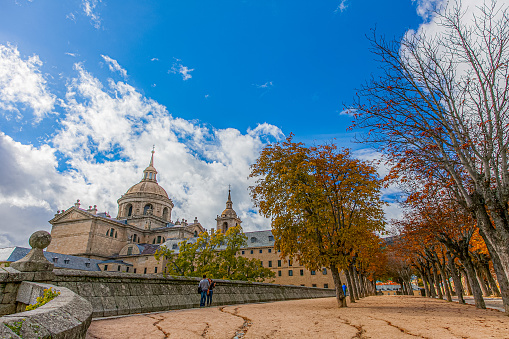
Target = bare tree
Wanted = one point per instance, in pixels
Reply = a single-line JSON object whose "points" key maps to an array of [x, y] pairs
{"points": [[442, 102]]}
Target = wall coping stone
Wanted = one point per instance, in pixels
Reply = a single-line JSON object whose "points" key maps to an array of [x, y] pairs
{"points": [[67, 316]]}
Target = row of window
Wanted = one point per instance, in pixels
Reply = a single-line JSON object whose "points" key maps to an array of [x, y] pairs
{"points": [[254, 239], [128, 269], [111, 233], [290, 272], [259, 251], [68, 261]]}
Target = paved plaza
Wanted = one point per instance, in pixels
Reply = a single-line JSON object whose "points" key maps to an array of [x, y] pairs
{"points": [[371, 317]]}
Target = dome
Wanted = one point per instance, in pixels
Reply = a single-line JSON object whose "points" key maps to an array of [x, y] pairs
{"points": [[148, 187], [229, 213]]}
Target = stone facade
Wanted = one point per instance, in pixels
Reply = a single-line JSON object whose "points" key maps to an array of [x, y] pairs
{"points": [[128, 242]]}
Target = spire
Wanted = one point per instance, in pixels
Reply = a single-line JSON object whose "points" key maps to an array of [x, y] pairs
{"points": [[229, 203], [152, 158], [150, 172]]}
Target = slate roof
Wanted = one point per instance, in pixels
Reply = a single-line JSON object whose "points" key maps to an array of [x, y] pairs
{"points": [[147, 248], [11, 254], [113, 261]]}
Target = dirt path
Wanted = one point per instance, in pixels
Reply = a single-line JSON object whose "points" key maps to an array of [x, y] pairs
{"points": [[372, 317]]}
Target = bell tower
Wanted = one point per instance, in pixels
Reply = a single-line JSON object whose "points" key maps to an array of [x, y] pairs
{"points": [[229, 217]]}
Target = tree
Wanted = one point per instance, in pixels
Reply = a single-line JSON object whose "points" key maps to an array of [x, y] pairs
{"points": [[214, 255], [321, 202], [442, 100]]}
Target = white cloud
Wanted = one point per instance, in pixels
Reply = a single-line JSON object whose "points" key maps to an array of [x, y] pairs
{"points": [[105, 137], [206, 95], [268, 84], [114, 66], [154, 59], [348, 111], [341, 7], [89, 8], [71, 54], [425, 8], [71, 17], [178, 68], [22, 84]]}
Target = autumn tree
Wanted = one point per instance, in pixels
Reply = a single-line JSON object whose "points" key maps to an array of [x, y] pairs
{"points": [[442, 98], [215, 255], [320, 201]]}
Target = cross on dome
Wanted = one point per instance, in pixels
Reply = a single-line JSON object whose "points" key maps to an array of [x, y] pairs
{"points": [[150, 172]]}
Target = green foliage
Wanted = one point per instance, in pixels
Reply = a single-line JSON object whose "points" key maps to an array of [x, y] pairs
{"points": [[216, 256], [48, 295], [16, 327]]}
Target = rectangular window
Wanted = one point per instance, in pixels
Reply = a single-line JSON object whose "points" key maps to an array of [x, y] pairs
{"points": [[55, 259], [325, 285], [118, 268], [314, 285], [261, 251], [302, 285], [66, 261], [270, 250], [155, 269], [243, 252], [87, 264], [261, 263], [301, 272], [290, 262], [134, 270], [313, 272], [129, 250], [270, 263], [127, 269], [279, 273], [279, 263], [251, 251], [105, 267], [271, 238], [158, 239], [145, 271], [324, 271], [290, 273]]}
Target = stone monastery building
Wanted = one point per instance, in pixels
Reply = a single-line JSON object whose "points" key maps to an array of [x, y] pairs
{"points": [[128, 242]]}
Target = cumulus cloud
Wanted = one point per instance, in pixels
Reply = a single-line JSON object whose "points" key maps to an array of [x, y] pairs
{"points": [[105, 138], [184, 71], [22, 85], [114, 66], [154, 59]]}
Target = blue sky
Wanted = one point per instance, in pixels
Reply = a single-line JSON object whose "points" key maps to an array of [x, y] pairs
{"points": [[87, 87]]}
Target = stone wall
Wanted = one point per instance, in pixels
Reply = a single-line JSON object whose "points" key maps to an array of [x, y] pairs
{"points": [[112, 293], [66, 316]]}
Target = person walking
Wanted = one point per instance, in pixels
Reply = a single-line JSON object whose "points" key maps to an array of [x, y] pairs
{"points": [[212, 284], [203, 286]]}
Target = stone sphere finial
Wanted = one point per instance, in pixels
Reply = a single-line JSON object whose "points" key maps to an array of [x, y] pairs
{"points": [[40, 239]]}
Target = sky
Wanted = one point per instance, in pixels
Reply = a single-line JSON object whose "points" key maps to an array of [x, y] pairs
{"points": [[87, 87]]}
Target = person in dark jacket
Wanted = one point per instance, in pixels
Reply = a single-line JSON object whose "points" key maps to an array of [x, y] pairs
{"points": [[204, 287], [210, 292]]}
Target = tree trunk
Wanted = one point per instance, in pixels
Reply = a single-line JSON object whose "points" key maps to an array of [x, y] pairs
{"points": [[424, 283], [455, 277], [491, 280], [437, 281], [474, 284], [481, 281], [355, 283], [467, 282], [349, 284], [340, 296], [429, 278], [444, 277]]}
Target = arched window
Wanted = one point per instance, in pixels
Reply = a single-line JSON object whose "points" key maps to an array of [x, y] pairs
{"points": [[129, 209], [115, 235], [134, 238], [165, 213], [158, 239], [195, 233], [107, 232], [164, 239], [112, 232], [146, 208], [154, 241], [150, 175], [225, 226]]}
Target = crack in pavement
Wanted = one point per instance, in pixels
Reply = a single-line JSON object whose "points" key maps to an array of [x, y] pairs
{"points": [[400, 328], [360, 330], [242, 330], [205, 330], [156, 324]]}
